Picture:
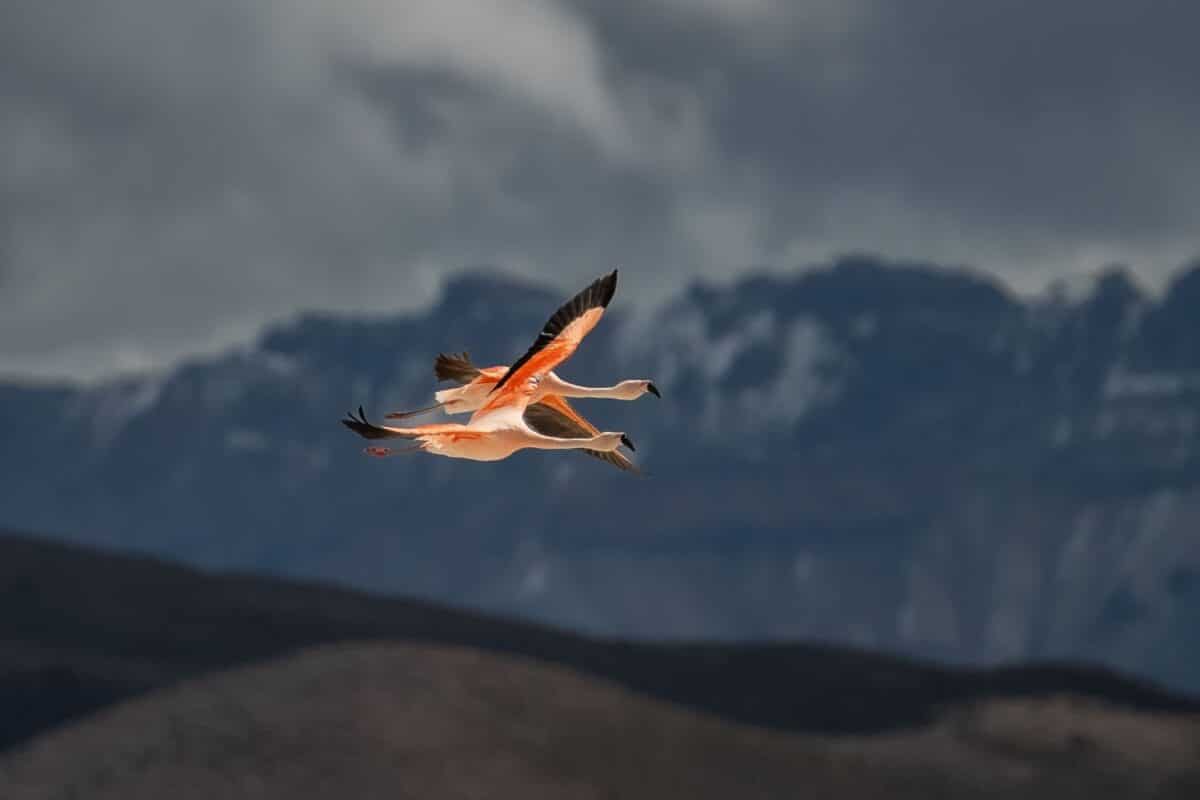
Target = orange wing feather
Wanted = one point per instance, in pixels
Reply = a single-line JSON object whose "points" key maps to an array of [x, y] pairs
{"points": [[559, 338], [490, 375], [515, 389]]}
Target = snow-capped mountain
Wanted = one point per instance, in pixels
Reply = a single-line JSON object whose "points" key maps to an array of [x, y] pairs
{"points": [[891, 455]]}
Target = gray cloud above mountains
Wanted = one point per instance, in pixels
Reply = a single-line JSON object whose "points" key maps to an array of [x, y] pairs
{"points": [[174, 173]]}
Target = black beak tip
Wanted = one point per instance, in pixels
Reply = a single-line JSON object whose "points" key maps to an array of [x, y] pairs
{"points": [[625, 440], [652, 389]]}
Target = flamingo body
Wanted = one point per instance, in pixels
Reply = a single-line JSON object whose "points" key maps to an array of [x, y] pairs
{"points": [[515, 408]]}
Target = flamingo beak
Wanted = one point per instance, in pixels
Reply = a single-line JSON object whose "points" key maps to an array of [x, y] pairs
{"points": [[652, 389], [625, 440]]}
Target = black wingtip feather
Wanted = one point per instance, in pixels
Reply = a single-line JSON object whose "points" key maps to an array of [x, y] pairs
{"points": [[609, 288], [364, 427], [598, 294]]}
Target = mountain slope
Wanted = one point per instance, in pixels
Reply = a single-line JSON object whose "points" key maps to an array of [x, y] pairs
{"points": [[413, 721], [997, 479], [83, 629]]}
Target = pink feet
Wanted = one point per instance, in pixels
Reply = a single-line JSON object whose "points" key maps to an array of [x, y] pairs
{"points": [[378, 452]]}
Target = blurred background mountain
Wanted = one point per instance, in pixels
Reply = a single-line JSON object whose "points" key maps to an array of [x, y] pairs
{"points": [[888, 455]]}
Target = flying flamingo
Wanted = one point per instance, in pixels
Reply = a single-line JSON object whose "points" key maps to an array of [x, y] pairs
{"points": [[505, 423], [476, 383], [548, 412]]}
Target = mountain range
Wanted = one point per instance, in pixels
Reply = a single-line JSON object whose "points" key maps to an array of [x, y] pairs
{"points": [[879, 454]]}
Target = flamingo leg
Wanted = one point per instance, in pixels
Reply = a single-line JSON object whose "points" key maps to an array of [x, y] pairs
{"points": [[384, 452], [413, 413]]}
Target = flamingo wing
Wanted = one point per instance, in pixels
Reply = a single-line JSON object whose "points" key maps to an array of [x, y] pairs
{"points": [[369, 430], [458, 368], [455, 367], [554, 416], [559, 338], [558, 406]]}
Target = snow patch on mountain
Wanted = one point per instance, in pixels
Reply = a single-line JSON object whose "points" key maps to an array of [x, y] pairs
{"points": [[809, 377], [1124, 383], [720, 352], [678, 339], [110, 407], [280, 365], [682, 342]]}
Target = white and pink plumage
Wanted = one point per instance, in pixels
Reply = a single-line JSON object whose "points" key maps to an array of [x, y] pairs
{"points": [[522, 406]]}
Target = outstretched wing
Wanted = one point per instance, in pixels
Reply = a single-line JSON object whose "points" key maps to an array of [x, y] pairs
{"points": [[369, 430], [559, 338], [565, 329], [455, 367], [554, 416]]}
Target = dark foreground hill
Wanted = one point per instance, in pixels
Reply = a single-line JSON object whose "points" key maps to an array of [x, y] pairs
{"points": [[419, 721], [81, 629]]}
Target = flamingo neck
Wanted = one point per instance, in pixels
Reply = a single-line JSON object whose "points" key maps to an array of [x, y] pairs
{"points": [[556, 443], [614, 392], [604, 392]]}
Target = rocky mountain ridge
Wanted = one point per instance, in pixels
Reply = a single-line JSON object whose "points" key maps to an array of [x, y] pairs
{"points": [[887, 455]]}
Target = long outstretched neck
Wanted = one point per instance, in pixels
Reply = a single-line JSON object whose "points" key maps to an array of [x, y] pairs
{"points": [[561, 387], [604, 441], [542, 442]]}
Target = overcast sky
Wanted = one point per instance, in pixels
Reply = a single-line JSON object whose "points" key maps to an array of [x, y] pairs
{"points": [[174, 173]]}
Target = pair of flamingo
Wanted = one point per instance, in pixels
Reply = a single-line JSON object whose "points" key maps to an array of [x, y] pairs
{"points": [[521, 406]]}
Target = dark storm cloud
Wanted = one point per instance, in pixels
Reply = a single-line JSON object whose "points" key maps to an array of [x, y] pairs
{"points": [[1026, 137], [1053, 114], [175, 173]]}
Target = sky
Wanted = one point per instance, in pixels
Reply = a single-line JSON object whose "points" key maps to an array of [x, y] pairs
{"points": [[176, 173]]}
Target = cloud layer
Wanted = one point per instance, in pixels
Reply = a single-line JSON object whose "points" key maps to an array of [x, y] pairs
{"points": [[175, 173]]}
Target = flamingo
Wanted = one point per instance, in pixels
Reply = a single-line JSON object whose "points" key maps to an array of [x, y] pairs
{"points": [[507, 420], [476, 383], [548, 412]]}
